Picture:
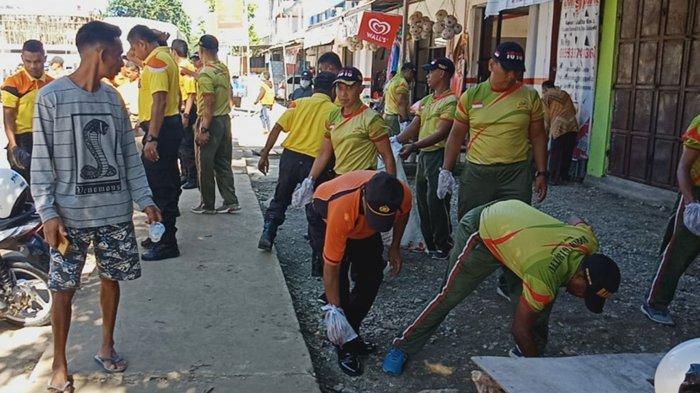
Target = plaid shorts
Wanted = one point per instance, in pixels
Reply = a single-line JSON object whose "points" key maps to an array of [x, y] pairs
{"points": [[115, 250]]}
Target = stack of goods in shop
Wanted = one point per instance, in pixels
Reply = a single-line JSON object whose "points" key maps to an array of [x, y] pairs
{"points": [[354, 43], [446, 25], [419, 26]]}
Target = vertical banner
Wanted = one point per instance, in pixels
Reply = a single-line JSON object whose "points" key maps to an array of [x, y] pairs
{"points": [[459, 57], [230, 22], [576, 63]]}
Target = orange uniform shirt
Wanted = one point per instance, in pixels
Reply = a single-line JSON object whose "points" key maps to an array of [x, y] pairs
{"points": [[340, 203]]}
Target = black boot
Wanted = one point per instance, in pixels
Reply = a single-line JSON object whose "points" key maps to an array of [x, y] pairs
{"points": [[267, 238], [161, 251], [316, 265], [349, 360]]}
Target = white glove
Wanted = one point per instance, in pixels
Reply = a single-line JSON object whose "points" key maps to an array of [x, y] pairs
{"points": [[304, 193], [446, 183], [691, 218], [394, 139]]}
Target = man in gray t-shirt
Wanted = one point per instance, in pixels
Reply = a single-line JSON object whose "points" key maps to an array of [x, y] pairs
{"points": [[86, 176]]}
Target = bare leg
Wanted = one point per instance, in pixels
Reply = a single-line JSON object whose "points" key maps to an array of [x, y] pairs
{"points": [[60, 324], [109, 301]]}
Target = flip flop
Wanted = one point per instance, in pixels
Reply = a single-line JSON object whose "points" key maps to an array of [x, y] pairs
{"points": [[66, 388], [115, 360]]}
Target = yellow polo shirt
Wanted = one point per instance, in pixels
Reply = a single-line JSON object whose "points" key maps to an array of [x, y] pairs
{"points": [[214, 79], [499, 122], [691, 140], [397, 85], [543, 251], [188, 85], [305, 123], [19, 92], [432, 110], [353, 138], [160, 73]]}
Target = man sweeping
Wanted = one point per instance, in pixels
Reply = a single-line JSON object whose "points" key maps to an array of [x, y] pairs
{"points": [[541, 254]]}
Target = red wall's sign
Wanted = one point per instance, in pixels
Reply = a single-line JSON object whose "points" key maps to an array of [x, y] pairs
{"points": [[379, 28]]}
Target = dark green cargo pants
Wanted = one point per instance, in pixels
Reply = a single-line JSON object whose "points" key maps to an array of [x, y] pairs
{"points": [[434, 212], [679, 249], [461, 279], [214, 163], [480, 184]]}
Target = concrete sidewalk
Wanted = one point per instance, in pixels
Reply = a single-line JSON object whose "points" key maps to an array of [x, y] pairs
{"points": [[217, 319]]}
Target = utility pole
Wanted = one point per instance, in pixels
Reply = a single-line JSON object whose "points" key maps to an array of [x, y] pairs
{"points": [[247, 37], [404, 32]]}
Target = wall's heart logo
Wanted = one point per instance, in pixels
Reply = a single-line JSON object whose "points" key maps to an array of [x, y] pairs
{"points": [[379, 27]]}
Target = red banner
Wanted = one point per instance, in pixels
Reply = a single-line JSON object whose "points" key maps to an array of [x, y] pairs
{"points": [[379, 28]]}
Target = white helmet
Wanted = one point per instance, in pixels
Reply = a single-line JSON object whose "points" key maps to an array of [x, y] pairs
{"points": [[671, 371], [13, 192]]}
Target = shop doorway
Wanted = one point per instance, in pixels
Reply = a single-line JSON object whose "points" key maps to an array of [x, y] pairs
{"points": [[509, 25], [656, 88]]}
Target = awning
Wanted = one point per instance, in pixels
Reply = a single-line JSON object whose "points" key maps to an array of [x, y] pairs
{"points": [[493, 7], [321, 34]]}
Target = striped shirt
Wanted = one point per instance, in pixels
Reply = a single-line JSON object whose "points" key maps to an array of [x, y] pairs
{"points": [[85, 166]]}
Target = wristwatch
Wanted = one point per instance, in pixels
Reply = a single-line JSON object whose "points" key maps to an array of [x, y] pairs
{"points": [[151, 138], [543, 173]]}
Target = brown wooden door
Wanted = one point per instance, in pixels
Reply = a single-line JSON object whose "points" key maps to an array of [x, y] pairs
{"points": [[656, 89]]}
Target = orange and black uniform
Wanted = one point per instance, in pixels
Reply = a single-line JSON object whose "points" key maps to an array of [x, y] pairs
{"points": [[19, 92], [339, 231]]}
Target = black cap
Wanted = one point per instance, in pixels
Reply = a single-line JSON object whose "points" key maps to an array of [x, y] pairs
{"points": [[408, 66], [194, 56], [441, 63], [602, 280], [324, 80], [208, 41], [306, 74], [383, 197], [511, 56], [348, 76]]}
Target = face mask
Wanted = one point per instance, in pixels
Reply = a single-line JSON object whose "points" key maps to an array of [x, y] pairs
{"points": [[305, 83]]}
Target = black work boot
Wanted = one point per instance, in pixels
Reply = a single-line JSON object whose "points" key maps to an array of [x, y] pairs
{"points": [[316, 265], [267, 238]]}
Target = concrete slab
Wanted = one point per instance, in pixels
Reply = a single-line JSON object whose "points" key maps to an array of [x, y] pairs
{"points": [[619, 373], [219, 316]]}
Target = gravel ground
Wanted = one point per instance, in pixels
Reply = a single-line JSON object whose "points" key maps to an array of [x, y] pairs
{"points": [[629, 232]]}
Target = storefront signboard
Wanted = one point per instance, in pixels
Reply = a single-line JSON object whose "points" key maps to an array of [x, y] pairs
{"points": [[576, 61], [493, 7], [379, 28]]}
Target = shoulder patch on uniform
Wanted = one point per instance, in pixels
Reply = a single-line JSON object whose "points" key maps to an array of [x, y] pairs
{"points": [[156, 65]]}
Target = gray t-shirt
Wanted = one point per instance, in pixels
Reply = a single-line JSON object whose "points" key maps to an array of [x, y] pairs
{"points": [[85, 166]]}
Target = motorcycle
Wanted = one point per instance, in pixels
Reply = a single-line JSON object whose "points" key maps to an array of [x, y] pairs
{"points": [[25, 299]]}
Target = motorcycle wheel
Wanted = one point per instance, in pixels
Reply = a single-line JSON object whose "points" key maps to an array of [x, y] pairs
{"points": [[37, 311]]}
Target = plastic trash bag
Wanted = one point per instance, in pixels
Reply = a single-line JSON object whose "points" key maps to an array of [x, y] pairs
{"points": [[303, 194], [412, 237], [691, 218], [446, 184], [338, 328]]}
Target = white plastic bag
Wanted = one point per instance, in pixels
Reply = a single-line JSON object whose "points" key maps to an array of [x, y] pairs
{"points": [[691, 218], [338, 328], [303, 194], [412, 237], [446, 184]]}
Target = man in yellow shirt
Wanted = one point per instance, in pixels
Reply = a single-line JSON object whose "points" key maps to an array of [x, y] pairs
{"points": [[429, 129], [214, 141], [504, 122], [188, 92], [680, 246], [541, 255], [159, 114], [266, 97], [396, 98], [305, 124], [18, 96]]}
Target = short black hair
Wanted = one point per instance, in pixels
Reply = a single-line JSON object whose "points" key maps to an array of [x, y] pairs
{"points": [[96, 32], [141, 32], [548, 85], [408, 66], [323, 82], [33, 46], [180, 47], [331, 58]]}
